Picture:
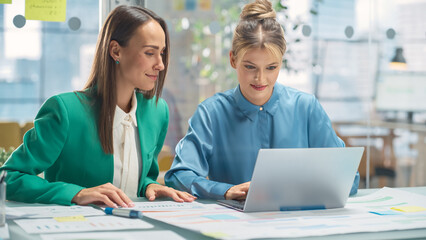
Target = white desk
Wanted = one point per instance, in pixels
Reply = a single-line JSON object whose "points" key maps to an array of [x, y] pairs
{"points": [[17, 233]]}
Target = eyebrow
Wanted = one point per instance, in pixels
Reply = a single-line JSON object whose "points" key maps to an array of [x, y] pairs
{"points": [[153, 46], [246, 61]]}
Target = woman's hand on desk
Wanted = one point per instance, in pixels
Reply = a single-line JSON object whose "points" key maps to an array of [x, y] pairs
{"points": [[154, 191], [106, 193], [238, 192]]}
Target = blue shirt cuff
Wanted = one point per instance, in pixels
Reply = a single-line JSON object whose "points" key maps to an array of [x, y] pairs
{"points": [[219, 189], [355, 185]]}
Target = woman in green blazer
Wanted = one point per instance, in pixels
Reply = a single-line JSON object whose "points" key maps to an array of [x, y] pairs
{"points": [[73, 142]]}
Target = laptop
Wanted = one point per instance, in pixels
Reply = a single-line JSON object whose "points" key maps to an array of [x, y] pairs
{"points": [[300, 179]]}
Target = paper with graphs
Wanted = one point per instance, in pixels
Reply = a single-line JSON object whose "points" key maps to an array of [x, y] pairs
{"points": [[49, 211], [385, 210], [81, 224]]}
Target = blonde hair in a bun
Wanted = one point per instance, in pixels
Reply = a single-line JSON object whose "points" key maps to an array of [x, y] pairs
{"points": [[258, 10], [258, 28]]}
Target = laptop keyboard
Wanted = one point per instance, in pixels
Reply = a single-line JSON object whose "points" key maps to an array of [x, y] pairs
{"points": [[233, 203]]}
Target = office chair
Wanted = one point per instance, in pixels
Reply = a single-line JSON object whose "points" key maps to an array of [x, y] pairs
{"points": [[10, 135]]}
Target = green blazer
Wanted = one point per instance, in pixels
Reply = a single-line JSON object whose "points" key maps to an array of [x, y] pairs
{"points": [[64, 144]]}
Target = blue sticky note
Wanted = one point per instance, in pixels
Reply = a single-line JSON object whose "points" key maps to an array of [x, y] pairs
{"points": [[190, 5], [220, 217], [387, 212]]}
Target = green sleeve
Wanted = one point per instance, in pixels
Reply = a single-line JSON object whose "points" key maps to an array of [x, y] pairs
{"points": [[154, 170], [41, 148]]}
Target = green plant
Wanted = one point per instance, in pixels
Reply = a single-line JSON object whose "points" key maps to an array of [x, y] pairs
{"points": [[4, 154], [211, 42]]}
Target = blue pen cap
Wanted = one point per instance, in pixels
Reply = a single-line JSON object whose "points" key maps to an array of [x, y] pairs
{"points": [[123, 212], [108, 210]]}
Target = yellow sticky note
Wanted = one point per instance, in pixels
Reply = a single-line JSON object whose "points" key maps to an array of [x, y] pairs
{"points": [[77, 218], [409, 209], [178, 5], [46, 10], [6, 1]]}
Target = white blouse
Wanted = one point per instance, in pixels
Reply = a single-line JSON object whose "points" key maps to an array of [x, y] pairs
{"points": [[127, 152]]}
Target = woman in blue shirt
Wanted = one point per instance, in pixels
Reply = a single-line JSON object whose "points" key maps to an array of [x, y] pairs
{"points": [[227, 130]]}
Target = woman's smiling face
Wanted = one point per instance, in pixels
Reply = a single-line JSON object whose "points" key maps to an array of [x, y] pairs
{"points": [[257, 73], [141, 60]]}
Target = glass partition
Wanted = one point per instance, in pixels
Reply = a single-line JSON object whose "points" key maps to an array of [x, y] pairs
{"points": [[39, 59]]}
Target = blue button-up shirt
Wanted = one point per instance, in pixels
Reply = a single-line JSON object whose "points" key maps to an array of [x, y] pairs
{"points": [[227, 131]]}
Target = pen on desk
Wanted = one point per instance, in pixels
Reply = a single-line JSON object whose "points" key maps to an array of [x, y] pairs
{"points": [[122, 212]]}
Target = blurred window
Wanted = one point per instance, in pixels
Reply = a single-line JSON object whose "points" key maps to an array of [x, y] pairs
{"points": [[39, 59]]}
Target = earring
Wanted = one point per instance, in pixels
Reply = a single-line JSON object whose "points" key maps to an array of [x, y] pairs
{"points": [[117, 62]]}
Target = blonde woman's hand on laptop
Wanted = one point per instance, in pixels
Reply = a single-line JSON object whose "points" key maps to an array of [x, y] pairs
{"points": [[238, 192]]}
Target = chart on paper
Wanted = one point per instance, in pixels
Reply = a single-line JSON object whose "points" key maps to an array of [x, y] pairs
{"points": [[122, 235], [57, 211], [102, 223], [168, 206], [385, 210]]}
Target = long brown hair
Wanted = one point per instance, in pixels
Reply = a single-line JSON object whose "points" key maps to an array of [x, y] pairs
{"points": [[258, 28], [120, 26]]}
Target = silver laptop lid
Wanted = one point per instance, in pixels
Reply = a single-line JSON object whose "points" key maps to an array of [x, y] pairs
{"points": [[302, 178]]}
